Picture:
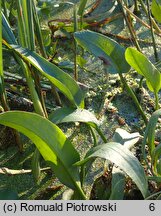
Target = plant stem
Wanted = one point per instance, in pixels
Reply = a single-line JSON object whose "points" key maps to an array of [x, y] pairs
{"points": [[141, 82], [133, 96], [3, 96], [152, 20], [136, 10], [56, 95], [36, 102], [130, 26], [75, 43], [141, 21], [152, 32], [101, 134], [38, 33], [4, 9], [154, 194], [81, 193], [39, 37], [156, 101], [93, 135]]}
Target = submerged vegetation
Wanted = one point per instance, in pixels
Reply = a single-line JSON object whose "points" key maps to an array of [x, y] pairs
{"points": [[80, 99]]}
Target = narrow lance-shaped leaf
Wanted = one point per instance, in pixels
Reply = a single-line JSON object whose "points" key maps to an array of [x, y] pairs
{"points": [[38, 32], [22, 35], [144, 67], [106, 49], [7, 32], [59, 78], [156, 160], [122, 157], [82, 6], [3, 98], [51, 142]]}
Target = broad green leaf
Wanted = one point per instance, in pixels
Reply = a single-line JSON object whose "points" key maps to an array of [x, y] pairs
{"points": [[56, 149], [122, 157], [144, 67], [150, 131], [156, 10], [118, 184], [106, 49], [118, 178], [67, 114], [59, 78]]}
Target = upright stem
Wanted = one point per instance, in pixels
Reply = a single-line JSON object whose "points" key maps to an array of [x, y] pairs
{"points": [[5, 9], [35, 98], [152, 20], [152, 32], [130, 26], [133, 96], [156, 101], [136, 7], [40, 42], [3, 96], [75, 43]]}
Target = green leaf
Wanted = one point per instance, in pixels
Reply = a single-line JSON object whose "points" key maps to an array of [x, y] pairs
{"points": [[38, 32], [46, 36], [59, 78], [81, 61], [144, 67], [36, 165], [156, 10], [56, 149], [7, 31], [149, 136], [156, 160], [118, 184], [82, 6], [122, 157], [67, 114], [106, 49]]}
